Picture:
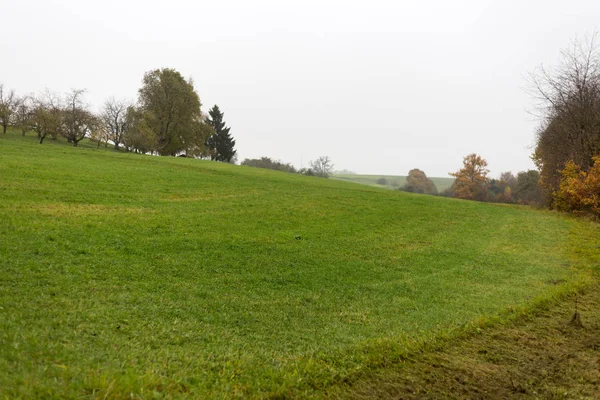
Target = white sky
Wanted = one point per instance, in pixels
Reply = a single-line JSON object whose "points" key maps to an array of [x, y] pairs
{"points": [[381, 87]]}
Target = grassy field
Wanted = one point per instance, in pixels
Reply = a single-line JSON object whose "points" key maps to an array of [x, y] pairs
{"points": [[392, 181], [128, 276]]}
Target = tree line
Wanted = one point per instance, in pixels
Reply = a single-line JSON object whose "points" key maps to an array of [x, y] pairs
{"points": [[473, 183], [321, 167], [166, 119], [567, 145], [567, 150]]}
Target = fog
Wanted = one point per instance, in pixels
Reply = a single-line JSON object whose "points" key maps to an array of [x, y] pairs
{"points": [[381, 87]]}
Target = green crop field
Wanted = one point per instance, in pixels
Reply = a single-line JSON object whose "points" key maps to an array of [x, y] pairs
{"points": [[129, 276], [391, 181]]}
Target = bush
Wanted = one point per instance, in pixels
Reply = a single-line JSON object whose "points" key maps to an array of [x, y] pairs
{"points": [[268, 163], [382, 181], [579, 191]]}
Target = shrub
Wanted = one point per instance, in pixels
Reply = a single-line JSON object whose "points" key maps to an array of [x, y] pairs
{"points": [[579, 191]]}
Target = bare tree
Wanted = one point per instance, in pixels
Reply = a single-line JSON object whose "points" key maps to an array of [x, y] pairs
{"points": [[7, 107], [114, 119], [22, 114], [78, 121], [322, 166], [46, 115]]}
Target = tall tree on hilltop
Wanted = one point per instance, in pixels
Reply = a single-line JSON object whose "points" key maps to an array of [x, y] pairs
{"points": [[221, 144], [171, 110], [471, 181]]}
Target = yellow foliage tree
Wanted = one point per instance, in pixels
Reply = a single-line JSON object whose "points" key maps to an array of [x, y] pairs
{"points": [[579, 191], [471, 181]]}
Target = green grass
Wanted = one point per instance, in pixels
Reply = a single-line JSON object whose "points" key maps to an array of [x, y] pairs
{"points": [[392, 181], [137, 276]]}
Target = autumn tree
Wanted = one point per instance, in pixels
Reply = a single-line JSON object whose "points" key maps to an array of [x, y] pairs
{"points": [[8, 103], [171, 109], [579, 190], [114, 120], [221, 145], [322, 167], [471, 181], [417, 182], [569, 104]]}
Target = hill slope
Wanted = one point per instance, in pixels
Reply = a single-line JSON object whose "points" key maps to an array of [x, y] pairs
{"points": [[391, 181], [135, 274]]}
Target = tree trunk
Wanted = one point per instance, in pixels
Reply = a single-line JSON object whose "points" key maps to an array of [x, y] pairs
{"points": [[42, 137]]}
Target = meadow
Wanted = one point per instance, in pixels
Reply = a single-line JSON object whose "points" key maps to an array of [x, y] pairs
{"points": [[130, 276], [391, 181]]}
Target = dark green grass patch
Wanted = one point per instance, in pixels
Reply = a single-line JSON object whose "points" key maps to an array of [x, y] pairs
{"points": [[124, 275]]}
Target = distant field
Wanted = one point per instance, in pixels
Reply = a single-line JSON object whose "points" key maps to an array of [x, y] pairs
{"points": [[392, 181], [129, 276]]}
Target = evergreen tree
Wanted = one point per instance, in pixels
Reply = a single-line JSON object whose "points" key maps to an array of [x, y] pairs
{"points": [[221, 144]]}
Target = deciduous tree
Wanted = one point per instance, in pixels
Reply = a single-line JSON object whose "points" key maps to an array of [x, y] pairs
{"points": [[22, 114], [171, 109], [114, 120], [138, 137], [471, 180], [569, 103], [417, 182], [77, 120], [8, 103], [579, 190], [322, 166], [46, 115], [528, 190]]}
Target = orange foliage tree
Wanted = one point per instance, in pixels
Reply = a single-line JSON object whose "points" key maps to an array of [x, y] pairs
{"points": [[579, 191], [471, 181]]}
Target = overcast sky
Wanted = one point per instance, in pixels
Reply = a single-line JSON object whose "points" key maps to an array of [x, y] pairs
{"points": [[381, 87]]}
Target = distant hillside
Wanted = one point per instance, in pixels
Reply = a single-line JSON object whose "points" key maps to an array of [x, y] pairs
{"points": [[392, 181]]}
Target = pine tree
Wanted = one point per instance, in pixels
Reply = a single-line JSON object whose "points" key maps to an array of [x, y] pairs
{"points": [[221, 144]]}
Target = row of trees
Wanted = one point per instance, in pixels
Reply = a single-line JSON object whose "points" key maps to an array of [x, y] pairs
{"points": [[567, 150], [473, 183], [166, 120], [568, 140]]}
